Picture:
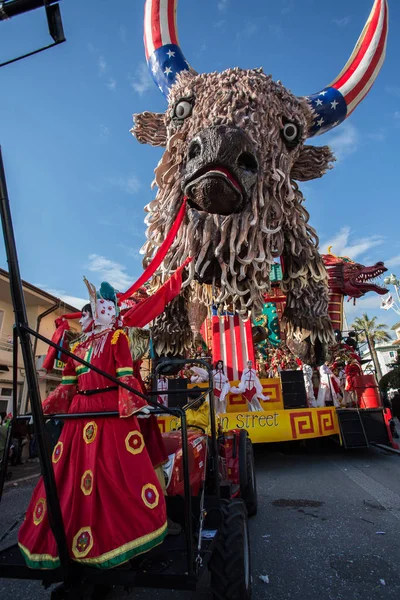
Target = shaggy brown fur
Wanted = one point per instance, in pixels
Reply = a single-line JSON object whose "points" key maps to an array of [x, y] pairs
{"points": [[274, 223]]}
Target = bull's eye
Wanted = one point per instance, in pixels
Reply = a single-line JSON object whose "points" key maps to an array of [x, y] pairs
{"points": [[291, 133], [183, 109]]}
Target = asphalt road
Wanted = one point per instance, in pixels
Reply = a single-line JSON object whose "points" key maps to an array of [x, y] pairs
{"points": [[327, 528]]}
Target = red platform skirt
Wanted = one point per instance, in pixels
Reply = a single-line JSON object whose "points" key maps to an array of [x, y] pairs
{"points": [[111, 501]]}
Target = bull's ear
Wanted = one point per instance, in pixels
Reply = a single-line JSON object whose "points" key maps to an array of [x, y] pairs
{"points": [[312, 162], [149, 128]]}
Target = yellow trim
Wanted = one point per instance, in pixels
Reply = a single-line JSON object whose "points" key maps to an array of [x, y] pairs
{"points": [[74, 347], [86, 439], [86, 491], [120, 369], [116, 335], [150, 486], [104, 557], [69, 379], [137, 450], [38, 520], [38, 557], [81, 369], [125, 547], [55, 458], [85, 552]]}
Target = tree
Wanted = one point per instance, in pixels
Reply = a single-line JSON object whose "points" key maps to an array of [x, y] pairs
{"points": [[369, 330]]}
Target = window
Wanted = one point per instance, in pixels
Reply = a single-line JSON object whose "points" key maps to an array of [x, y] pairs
{"points": [[6, 392], [391, 354]]}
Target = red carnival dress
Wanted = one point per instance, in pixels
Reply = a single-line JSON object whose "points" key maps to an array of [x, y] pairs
{"points": [[111, 501]]}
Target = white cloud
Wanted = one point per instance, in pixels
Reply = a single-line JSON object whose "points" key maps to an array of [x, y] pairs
{"points": [[343, 246], [345, 141], [101, 63], [222, 5], [111, 84], [248, 31], [64, 296], [130, 185], [393, 262], [74, 301], [393, 90], [109, 270], [104, 131], [370, 302], [397, 114], [142, 81], [341, 22], [377, 136], [219, 24]]}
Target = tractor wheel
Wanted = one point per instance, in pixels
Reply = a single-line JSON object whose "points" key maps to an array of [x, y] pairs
{"points": [[247, 474], [230, 561]]}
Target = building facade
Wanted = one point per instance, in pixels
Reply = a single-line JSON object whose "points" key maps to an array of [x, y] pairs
{"points": [[42, 310]]}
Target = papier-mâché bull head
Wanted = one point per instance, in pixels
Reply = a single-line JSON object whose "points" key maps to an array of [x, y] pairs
{"points": [[235, 147]]}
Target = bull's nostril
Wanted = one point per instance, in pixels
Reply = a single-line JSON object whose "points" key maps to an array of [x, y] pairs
{"points": [[248, 162], [194, 150]]}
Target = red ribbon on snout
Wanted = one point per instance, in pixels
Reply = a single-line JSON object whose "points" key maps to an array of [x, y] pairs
{"points": [[159, 257]]}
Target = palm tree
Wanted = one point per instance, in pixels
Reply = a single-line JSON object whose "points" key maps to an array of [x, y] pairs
{"points": [[370, 331]]}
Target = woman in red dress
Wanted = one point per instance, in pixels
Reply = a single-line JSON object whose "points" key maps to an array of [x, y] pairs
{"points": [[111, 500]]}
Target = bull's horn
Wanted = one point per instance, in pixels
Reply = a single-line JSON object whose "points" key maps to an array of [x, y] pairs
{"points": [[337, 101], [163, 54]]}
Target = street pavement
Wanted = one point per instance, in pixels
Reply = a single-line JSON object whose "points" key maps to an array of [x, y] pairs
{"points": [[327, 527]]}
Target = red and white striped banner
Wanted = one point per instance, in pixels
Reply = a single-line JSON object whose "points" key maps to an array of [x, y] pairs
{"points": [[232, 343]]}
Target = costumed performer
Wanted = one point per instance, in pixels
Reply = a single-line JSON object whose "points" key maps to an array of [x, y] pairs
{"points": [[198, 375], [352, 370], [328, 389], [198, 415], [162, 386], [250, 387], [308, 382], [102, 469], [221, 386]]}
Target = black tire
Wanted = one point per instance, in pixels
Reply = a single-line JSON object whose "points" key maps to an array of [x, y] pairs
{"points": [[247, 474], [230, 564]]}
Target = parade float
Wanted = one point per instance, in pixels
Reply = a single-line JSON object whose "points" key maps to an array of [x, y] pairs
{"points": [[287, 413], [227, 206], [235, 147]]}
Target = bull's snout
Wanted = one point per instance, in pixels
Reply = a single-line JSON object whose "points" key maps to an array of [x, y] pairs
{"points": [[220, 170]]}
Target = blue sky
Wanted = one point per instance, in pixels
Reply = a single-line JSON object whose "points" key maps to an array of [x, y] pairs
{"points": [[78, 181]]}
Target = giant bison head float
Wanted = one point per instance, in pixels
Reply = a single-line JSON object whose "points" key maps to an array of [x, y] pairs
{"points": [[235, 145]]}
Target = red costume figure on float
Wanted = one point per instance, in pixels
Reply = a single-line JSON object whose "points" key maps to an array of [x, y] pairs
{"points": [[352, 369], [102, 469]]}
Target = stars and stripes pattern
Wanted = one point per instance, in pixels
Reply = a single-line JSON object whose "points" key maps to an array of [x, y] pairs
{"points": [[163, 54], [337, 101], [232, 343]]}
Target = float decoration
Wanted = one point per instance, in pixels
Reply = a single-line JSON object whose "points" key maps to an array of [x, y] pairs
{"points": [[235, 143]]}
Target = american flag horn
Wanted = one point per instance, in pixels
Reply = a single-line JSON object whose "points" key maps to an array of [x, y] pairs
{"points": [[337, 101], [332, 105], [164, 57]]}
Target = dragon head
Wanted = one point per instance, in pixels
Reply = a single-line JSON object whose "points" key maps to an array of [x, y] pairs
{"points": [[352, 279]]}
